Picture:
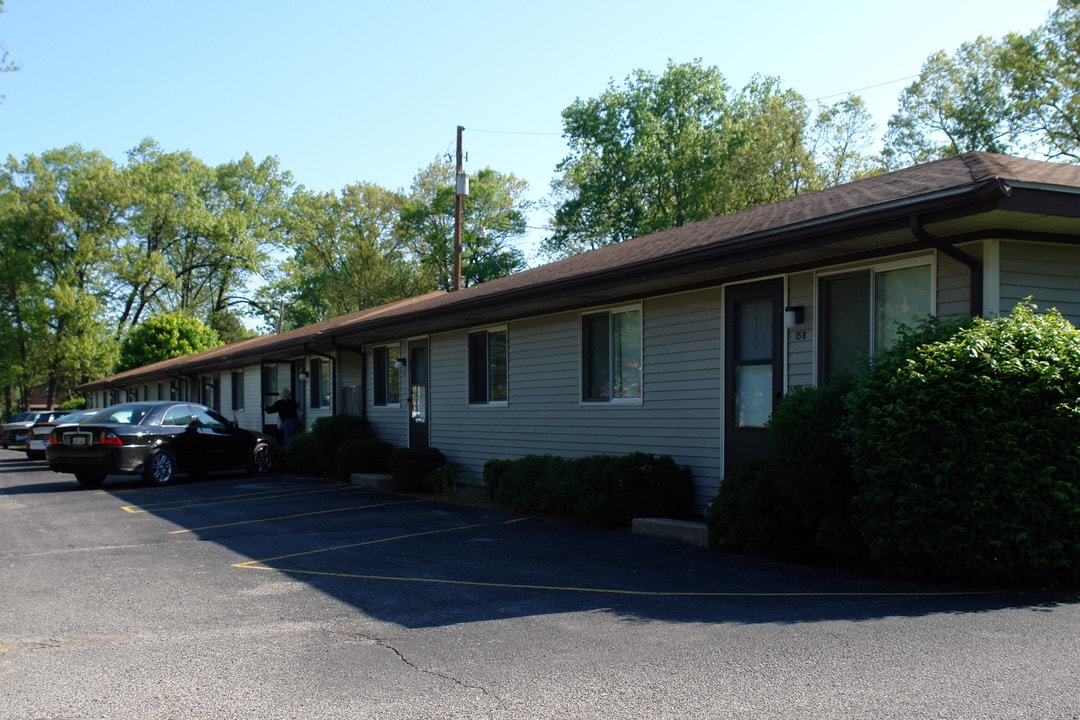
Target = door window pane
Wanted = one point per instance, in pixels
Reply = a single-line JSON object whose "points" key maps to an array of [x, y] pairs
{"points": [[753, 323], [753, 395]]}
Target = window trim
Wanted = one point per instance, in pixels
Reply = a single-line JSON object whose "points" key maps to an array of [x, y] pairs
{"points": [[611, 400], [469, 379]]}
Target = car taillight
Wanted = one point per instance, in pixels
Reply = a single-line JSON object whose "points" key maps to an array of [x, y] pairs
{"points": [[53, 441], [107, 438]]}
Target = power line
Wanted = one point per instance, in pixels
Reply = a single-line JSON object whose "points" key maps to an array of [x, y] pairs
{"points": [[868, 87]]}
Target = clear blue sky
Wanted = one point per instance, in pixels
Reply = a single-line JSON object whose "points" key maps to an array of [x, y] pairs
{"points": [[343, 91]]}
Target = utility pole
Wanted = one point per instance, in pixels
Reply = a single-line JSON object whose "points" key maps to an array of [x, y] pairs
{"points": [[462, 182]]}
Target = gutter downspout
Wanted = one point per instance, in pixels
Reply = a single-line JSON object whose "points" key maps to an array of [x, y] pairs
{"points": [[974, 264]]}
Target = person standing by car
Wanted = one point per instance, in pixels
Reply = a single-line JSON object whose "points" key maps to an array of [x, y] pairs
{"points": [[286, 409]]}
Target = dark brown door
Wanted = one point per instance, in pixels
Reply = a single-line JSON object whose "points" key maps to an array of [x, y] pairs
{"points": [[754, 369]]}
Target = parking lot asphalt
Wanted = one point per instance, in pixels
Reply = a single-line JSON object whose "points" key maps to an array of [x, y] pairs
{"points": [[291, 597]]}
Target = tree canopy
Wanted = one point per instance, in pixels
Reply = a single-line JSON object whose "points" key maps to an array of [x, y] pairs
{"points": [[163, 337]]}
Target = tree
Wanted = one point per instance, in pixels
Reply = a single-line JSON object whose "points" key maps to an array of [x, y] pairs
{"points": [[345, 256], [163, 337], [643, 157], [958, 104], [843, 140], [663, 151], [493, 214], [64, 211], [1045, 83], [6, 64]]}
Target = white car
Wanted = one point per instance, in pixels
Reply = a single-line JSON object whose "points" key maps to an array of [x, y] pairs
{"points": [[37, 435]]}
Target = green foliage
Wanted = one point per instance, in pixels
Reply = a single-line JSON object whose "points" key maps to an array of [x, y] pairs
{"points": [[73, 404], [602, 490], [494, 471], [663, 151], [163, 337], [329, 433], [412, 467], [958, 104], [363, 455], [300, 454], [795, 504], [748, 514], [496, 202], [967, 453]]}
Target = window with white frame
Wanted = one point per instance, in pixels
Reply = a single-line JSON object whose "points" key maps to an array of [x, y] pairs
{"points": [[488, 366], [861, 311], [611, 356], [387, 382]]}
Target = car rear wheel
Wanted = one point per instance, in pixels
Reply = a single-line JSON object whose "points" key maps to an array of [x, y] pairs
{"points": [[160, 468], [90, 479], [262, 460]]}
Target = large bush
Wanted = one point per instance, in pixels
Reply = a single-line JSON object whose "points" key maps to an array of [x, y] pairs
{"points": [[967, 452], [363, 455], [412, 467], [327, 435], [795, 504]]}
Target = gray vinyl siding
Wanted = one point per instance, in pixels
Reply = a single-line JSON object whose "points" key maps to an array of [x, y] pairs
{"points": [[1046, 272], [679, 415], [800, 339], [953, 297]]}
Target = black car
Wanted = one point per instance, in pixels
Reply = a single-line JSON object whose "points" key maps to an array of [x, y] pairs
{"points": [[155, 440]]}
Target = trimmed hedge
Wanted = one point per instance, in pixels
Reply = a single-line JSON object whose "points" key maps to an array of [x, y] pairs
{"points": [[363, 455], [411, 467], [602, 490], [328, 433]]}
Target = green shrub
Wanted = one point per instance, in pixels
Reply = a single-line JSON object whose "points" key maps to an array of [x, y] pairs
{"points": [[329, 433], [750, 515], [494, 470], [536, 484], [300, 454], [412, 466], [814, 483], [613, 490], [967, 453], [73, 404], [363, 455], [602, 490], [444, 479]]}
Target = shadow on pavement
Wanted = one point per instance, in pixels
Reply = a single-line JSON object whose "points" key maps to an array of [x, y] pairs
{"points": [[422, 563]]}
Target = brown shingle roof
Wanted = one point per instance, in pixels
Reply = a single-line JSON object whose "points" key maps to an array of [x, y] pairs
{"points": [[664, 257]]}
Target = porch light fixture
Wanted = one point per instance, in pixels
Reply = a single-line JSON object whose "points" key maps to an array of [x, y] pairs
{"points": [[302, 376], [794, 315], [400, 364]]}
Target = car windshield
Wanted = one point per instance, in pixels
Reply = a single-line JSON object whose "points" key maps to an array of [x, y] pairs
{"points": [[120, 415]]}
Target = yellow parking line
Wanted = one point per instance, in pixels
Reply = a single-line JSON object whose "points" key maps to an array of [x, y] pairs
{"points": [[226, 499], [292, 517], [612, 591], [264, 565], [250, 566]]}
